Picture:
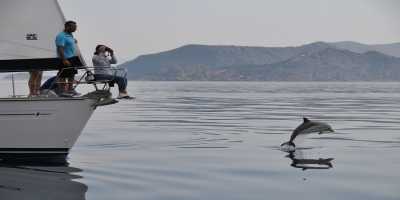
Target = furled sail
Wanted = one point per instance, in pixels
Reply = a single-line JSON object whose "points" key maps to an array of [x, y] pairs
{"points": [[27, 34]]}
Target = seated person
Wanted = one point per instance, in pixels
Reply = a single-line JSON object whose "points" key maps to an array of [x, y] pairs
{"points": [[102, 59], [51, 85]]}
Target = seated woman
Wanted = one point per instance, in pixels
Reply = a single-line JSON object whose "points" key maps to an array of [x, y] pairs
{"points": [[102, 59]]}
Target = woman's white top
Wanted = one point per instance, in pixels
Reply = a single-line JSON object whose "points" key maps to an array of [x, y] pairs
{"points": [[102, 64]]}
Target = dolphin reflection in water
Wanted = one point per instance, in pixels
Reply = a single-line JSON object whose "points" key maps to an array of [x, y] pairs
{"points": [[298, 161], [306, 127]]}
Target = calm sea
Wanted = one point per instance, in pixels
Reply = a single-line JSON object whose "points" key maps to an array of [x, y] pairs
{"points": [[220, 140]]}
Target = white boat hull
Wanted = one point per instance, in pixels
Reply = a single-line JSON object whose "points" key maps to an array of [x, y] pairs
{"points": [[48, 126]]}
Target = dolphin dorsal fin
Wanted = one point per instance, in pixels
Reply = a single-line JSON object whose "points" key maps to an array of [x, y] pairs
{"points": [[305, 119]]}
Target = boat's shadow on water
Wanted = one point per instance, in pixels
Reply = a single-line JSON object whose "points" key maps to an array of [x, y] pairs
{"points": [[40, 180]]}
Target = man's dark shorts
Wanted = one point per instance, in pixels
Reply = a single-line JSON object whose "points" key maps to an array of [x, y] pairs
{"points": [[70, 71]]}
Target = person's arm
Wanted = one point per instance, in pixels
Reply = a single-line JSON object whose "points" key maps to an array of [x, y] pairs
{"points": [[98, 61], [60, 50], [113, 59]]}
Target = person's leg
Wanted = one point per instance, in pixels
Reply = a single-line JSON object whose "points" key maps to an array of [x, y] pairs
{"points": [[34, 82], [71, 83], [122, 85], [123, 76], [71, 74], [126, 82], [50, 84], [101, 77], [66, 80], [64, 84], [61, 81], [30, 83], [105, 77], [38, 81], [121, 82]]}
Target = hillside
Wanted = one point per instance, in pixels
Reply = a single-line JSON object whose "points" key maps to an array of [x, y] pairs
{"points": [[312, 62], [388, 49]]}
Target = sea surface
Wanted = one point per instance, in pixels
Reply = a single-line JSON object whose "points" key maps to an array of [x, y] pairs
{"points": [[221, 140]]}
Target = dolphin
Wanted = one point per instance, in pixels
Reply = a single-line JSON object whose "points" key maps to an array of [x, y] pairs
{"points": [[308, 127]]}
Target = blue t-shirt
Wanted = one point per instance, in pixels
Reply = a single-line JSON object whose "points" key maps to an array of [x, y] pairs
{"points": [[67, 41]]}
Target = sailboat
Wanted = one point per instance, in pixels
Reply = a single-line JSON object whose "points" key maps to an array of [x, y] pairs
{"points": [[48, 125]]}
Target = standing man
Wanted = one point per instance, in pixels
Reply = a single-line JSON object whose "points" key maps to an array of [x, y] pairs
{"points": [[65, 43]]}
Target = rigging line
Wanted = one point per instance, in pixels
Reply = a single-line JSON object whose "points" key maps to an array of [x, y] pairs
{"points": [[25, 45]]}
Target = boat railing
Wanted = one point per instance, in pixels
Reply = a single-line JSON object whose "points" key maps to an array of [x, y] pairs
{"points": [[87, 76]]}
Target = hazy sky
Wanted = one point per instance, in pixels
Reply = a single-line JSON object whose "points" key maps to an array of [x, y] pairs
{"points": [[135, 27]]}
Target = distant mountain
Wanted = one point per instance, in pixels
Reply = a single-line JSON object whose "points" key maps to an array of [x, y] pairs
{"points": [[389, 49], [318, 61], [329, 64]]}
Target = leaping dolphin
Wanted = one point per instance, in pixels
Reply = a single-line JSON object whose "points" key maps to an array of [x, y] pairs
{"points": [[308, 127]]}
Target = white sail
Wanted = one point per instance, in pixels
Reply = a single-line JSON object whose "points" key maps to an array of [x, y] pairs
{"points": [[28, 28], [27, 34]]}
